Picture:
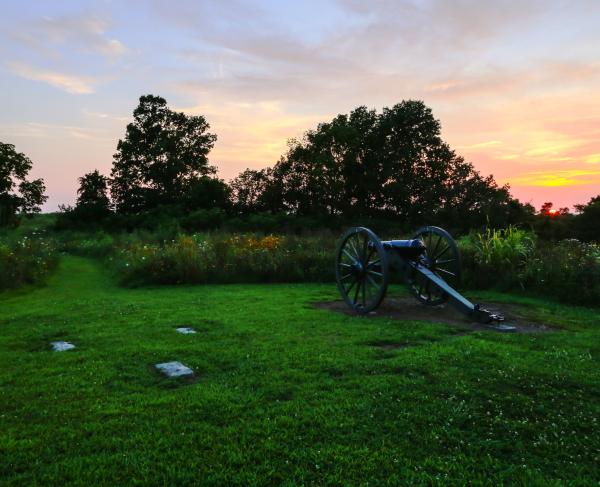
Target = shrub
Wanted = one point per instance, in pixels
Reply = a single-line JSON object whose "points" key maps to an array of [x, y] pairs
{"points": [[99, 244], [203, 219], [496, 258], [568, 270], [26, 261], [227, 259], [512, 259]]}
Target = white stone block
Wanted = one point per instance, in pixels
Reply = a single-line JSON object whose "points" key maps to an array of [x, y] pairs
{"points": [[185, 330], [62, 346], [174, 369]]}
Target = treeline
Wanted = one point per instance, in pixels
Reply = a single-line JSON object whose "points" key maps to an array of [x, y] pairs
{"points": [[364, 166], [383, 169]]}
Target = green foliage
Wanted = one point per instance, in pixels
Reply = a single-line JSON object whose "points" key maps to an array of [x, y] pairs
{"points": [[568, 270], [14, 168], [226, 259], [26, 260], [100, 244], [496, 258], [286, 394], [203, 219]]}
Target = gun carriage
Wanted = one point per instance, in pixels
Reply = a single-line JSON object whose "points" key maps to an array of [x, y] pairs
{"points": [[429, 263]]}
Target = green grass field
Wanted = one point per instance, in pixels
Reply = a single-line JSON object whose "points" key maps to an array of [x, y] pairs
{"points": [[285, 394]]}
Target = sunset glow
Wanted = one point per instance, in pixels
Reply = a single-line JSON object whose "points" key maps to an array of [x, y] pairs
{"points": [[515, 85]]}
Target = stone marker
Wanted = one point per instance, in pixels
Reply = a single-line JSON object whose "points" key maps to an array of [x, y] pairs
{"points": [[174, 369], [62, 346], [185, 330], [504, 328]]}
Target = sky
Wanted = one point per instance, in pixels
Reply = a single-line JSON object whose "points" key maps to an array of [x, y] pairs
{"points": [[515, 84]]}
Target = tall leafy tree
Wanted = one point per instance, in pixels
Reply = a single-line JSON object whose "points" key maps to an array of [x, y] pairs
{"points": [[17, 193], [92, 194], [587, 221], [253, 191], [162, 155], [389, 164]]}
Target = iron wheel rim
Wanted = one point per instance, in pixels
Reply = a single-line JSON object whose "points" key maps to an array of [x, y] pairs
{"points": [[361, 269]]}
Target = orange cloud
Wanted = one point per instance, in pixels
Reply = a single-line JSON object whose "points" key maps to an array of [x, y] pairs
{"points": [[567, 177]]}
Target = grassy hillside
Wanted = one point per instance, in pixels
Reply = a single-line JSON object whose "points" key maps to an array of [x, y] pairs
{"points": [[285, 393]]}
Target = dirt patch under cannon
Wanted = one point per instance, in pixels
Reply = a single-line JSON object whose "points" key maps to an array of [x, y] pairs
{"points": [[409, 309]]}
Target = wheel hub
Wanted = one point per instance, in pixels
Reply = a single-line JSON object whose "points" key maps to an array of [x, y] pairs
{"points": [[358, 269]]}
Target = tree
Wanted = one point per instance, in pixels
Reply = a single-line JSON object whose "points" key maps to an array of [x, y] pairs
{"points": [[251, 190], [92, 197], [554, 224], [587, 220], [93, 188], [392, 164], [207, 193], [17, 194], [162, 155]]}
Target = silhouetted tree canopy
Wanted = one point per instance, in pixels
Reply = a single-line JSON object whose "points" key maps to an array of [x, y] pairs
{"points": [[17, 194], [92, 194], [205, 193], [164, 153], [254, 191], [92, 190], [587, 222], [392, 164]]}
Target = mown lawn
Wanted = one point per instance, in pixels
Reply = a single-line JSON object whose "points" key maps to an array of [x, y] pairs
{"points": [[285, 393]]}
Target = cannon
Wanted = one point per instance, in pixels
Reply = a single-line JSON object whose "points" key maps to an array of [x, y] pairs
{"points": [[429, 262]]}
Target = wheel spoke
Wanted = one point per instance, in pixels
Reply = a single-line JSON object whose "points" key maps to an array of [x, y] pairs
{"points": [[349, 256], [374, 273], [364, 293], [375, 285], [343, 264], [353, 248], [374, 263], [446, 261], [436, 245], [367, 287], [442, 252], [446, 272], [356, 292], [346, 276], [350, 287]]}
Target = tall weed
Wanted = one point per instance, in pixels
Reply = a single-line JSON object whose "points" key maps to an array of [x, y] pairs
{"points": [[497, 258]]}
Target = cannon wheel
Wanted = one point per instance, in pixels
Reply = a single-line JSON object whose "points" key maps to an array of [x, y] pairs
{"points": [[361, 269], [441, 257]]}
